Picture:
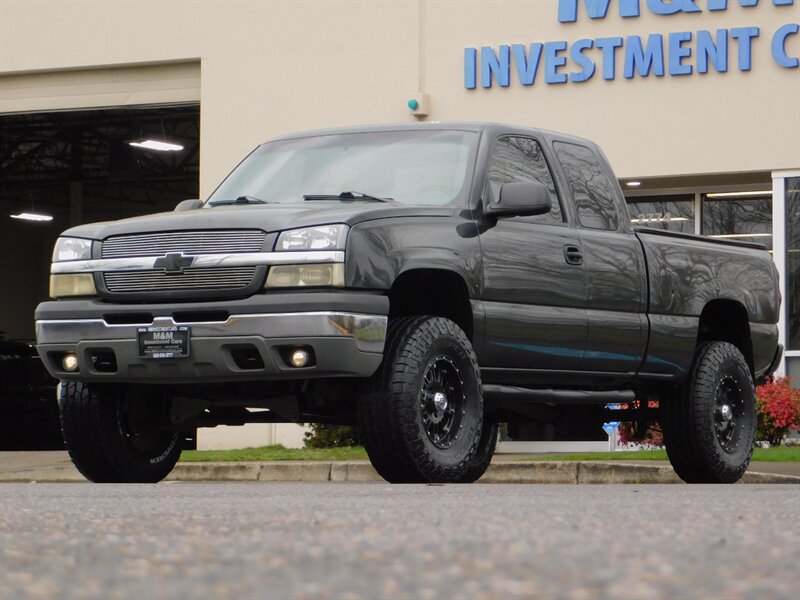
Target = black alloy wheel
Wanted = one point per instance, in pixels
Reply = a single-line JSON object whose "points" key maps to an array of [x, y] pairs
{"points": [[442, 401], [728, 411]]}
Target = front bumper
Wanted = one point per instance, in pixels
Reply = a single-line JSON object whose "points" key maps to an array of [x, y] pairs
{"points": [[239, 340]]}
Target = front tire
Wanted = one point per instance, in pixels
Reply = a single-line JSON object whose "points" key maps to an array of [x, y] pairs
{"points": [[112, 436], [710, 425], [484, 454], [421, 415]]}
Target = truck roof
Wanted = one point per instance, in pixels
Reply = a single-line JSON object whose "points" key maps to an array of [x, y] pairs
{"points": [[474, 126]]}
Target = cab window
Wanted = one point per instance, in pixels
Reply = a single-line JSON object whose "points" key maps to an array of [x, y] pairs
{"points": [[522, 159]]}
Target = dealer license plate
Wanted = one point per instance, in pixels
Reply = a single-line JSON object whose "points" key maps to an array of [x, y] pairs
{"points": [[164, 342]]}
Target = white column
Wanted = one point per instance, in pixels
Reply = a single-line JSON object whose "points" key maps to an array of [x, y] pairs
{"points": [[698, 213], [779, 249]]}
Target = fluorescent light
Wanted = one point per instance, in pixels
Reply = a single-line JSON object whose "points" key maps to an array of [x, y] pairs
{"points": [[157, 145], [634, 183], [741, 235], [739, 194], [659, 219], [26, 216]]}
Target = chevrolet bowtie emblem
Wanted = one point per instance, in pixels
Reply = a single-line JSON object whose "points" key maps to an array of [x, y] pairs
{"points": [[173, 263]]}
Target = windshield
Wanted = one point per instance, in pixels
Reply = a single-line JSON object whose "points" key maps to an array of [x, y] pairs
{"points": [[410, 167]]}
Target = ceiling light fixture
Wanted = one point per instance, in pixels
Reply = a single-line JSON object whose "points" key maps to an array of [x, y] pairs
{"points": [[741, 235], [156, 145], [29, 216], [739, 194], [658, 219], [634, 183]]}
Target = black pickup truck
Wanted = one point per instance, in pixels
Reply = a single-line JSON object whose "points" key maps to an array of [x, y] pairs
{"points": [[425, 282]]}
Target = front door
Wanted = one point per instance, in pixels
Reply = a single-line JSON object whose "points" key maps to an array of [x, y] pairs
{"points": [[534, 297]]}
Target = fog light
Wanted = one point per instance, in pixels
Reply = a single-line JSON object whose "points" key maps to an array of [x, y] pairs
{"points": [[299, 357], [70, 362]]}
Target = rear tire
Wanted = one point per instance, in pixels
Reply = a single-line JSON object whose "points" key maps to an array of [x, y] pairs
{"points": [[421, 415], [96, 422], [710, 424]]}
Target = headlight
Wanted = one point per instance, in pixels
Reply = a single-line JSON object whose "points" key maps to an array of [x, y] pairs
{"points": [[68, 248], [324, 237]]}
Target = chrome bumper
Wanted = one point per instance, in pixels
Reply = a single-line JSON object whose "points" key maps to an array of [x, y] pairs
{"points": [[345, 344]]}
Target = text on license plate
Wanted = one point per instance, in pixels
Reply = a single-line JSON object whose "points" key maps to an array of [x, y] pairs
{"points": [[164, 342]]}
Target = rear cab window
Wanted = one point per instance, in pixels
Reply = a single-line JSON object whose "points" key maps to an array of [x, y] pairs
{"points": [[592, 190]]}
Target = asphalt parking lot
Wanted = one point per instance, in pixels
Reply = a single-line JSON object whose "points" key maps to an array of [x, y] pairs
{"points": [[349, 540]]}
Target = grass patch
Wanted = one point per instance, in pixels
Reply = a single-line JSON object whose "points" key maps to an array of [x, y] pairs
{"points": [[276, 452], [776, 454]]}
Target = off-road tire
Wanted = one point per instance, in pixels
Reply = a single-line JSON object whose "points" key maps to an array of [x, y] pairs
{"points": [[483, 457], [697, 445], [94, 430], [392, 413]]}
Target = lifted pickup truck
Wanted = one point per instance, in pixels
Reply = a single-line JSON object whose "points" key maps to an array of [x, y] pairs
{"points": [[426, 282]]}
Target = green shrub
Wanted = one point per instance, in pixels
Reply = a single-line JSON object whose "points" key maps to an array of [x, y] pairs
{"points": [[331, 436]]}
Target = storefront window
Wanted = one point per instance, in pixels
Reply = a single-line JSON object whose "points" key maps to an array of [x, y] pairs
{"points": [[793, 264], [740, 216], [673, 213]]}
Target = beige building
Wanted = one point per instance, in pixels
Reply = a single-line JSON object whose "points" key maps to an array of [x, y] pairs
{"points": [[697, 101]]}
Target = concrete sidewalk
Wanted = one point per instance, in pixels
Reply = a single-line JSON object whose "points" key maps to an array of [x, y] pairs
{"points": [[57, 467]]}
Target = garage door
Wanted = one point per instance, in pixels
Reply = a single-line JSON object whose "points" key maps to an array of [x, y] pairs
{"points": [[102, 87]]}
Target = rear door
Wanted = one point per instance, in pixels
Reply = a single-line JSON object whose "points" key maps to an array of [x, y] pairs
{"points": [[533, 296], [615, 271]]}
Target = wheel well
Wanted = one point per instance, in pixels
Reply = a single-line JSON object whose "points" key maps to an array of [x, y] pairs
{"points": [[432, 292], [726, 321]]}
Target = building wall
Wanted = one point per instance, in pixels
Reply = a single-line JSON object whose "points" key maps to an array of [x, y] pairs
{"points": [[252, 435], [273, 67], [268, 68]]}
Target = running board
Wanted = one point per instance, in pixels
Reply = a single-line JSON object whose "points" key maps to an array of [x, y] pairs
{"points": [[508, 393]]}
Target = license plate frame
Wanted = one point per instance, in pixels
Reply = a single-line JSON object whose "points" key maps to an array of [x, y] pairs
{"points": [[159, 343]]}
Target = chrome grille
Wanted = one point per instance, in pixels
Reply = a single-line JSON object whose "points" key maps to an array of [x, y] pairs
{"points": [[188, 242], [212, 278]]}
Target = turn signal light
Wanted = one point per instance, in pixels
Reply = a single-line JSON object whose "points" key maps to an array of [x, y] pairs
{"points": [[306, 275], [72, 284]]}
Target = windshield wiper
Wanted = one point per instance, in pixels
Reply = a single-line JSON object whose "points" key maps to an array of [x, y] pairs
{"points": [[347, 196], [239, 200]]}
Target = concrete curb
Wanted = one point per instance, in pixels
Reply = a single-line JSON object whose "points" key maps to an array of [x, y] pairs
{"points": [[537, 472]]}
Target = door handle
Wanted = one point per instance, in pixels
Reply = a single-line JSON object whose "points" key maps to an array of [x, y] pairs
{"points": [[573, 255]]}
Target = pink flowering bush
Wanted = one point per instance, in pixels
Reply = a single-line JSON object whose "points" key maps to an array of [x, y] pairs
{"points": [[778, 406], [626, 431]]}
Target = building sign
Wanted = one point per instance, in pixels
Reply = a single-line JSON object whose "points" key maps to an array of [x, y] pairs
{"points": [[657, 54]]}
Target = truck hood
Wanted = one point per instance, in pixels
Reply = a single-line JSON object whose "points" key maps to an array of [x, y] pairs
{"points": [[270, 217]]}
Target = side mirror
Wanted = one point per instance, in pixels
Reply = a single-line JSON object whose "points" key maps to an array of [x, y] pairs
{"points": [[188, 205], [521, 199]]}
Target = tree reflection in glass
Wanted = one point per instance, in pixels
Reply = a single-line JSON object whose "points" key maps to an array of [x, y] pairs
{"points": [[739, 218]]}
